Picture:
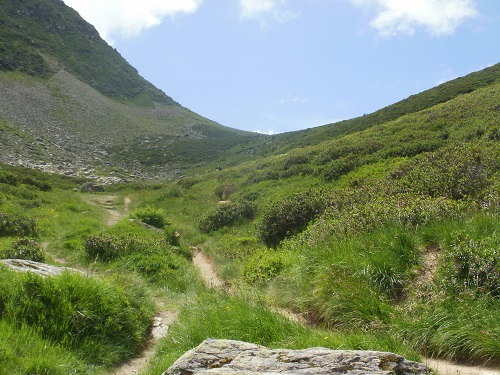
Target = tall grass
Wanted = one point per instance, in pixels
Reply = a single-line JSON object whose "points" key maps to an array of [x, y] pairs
{"points": [[102, 321], [23, 351]]}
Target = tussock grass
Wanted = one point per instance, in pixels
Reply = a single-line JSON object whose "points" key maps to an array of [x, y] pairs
{"points": [[102, 321]]}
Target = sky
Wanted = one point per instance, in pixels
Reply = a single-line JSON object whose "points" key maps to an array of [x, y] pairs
{"points": [[275, 66]]}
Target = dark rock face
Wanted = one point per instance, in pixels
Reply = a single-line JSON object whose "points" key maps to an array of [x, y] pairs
{"points": [[236, 357]]}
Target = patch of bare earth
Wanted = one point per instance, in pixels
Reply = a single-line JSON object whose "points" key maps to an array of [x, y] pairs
{"points": [[207, 270], [161, 323], [109, 203]]}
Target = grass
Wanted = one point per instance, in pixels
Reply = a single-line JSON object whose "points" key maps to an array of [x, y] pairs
{"points": [[102, 321]]}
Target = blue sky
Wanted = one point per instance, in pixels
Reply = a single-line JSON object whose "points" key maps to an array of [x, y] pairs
{"points": [[281, 65]]}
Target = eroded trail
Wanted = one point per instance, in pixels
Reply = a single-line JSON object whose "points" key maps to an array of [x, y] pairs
{"points": [[209, 274], [110, 204], [161, 323], [207, 270]]}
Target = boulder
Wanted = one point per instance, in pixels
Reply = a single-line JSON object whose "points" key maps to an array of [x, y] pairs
{"points": [[42, 269], [218, 357], [89, 187]]}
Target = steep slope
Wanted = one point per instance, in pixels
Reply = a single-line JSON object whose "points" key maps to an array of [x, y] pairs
{"points": [[70, 102]]}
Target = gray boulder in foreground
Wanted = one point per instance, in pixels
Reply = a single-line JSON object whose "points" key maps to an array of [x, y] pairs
{"points": [[236, 357]]}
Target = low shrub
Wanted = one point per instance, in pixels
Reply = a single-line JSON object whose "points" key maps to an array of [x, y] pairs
{"points": [[290, 216], [454, 172], [263, 266], [223, 192], [25, 248], [227, 214], [105, 247], [473, 264], [151, 216], [16, 225]]}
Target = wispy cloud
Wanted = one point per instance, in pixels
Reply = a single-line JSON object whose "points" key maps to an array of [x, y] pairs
{"points": [[129, 17], [266, 11], [439, 17]]}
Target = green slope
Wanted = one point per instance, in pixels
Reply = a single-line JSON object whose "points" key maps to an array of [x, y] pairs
{"points": [[412, 104], [29, 29]]}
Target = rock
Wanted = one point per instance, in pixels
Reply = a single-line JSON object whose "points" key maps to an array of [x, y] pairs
{"points": [[90, 187], [218, 357], [23, 265]]}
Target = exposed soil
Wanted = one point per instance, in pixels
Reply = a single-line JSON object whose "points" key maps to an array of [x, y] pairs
{"points": [[208, 273], [450, 368], [109, 202], [161, 323]]}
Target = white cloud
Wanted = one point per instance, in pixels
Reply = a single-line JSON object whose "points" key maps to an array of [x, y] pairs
{"points": [[264, 11], [269, 132], [439, 17], [129, 17]]}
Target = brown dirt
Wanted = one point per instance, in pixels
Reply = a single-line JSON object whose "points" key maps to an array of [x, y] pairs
{"points": [[207, 270], [450, 368], [109, 202], [162, 322]]}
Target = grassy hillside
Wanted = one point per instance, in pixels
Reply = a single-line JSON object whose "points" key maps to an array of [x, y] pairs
{"points": [[31, 29], [412, 104]]}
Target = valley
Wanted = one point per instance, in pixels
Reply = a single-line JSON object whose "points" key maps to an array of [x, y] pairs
{"points": [[377, 233]]}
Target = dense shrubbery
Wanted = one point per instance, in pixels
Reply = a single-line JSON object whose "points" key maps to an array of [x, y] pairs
{"points": [[15, 179], [24, 248], [12, 224], [103, 320], [291, 215], [151, 216], [473, 264], [263, 267], [455, 172], [223, 192], [227, 214], [151, 257]]}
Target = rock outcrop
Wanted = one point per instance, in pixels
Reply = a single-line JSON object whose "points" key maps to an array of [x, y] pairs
{"points": [[217, 357], [42, 269]]}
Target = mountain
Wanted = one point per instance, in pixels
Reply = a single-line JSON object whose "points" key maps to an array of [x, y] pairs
{"points": [[70, 102]]}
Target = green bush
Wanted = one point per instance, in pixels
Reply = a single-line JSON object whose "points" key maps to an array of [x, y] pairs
{"points": [[455, 172], [223, 192], [105, 247], [263, 266], [151, 216], [473, 264], [290, 216], [17, 225], [227, 214], [25, 248]]}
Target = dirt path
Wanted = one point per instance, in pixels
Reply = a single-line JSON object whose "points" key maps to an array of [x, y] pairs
{"points": [[450, 368], [109, 202], [208, 273], [161, 323]]}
